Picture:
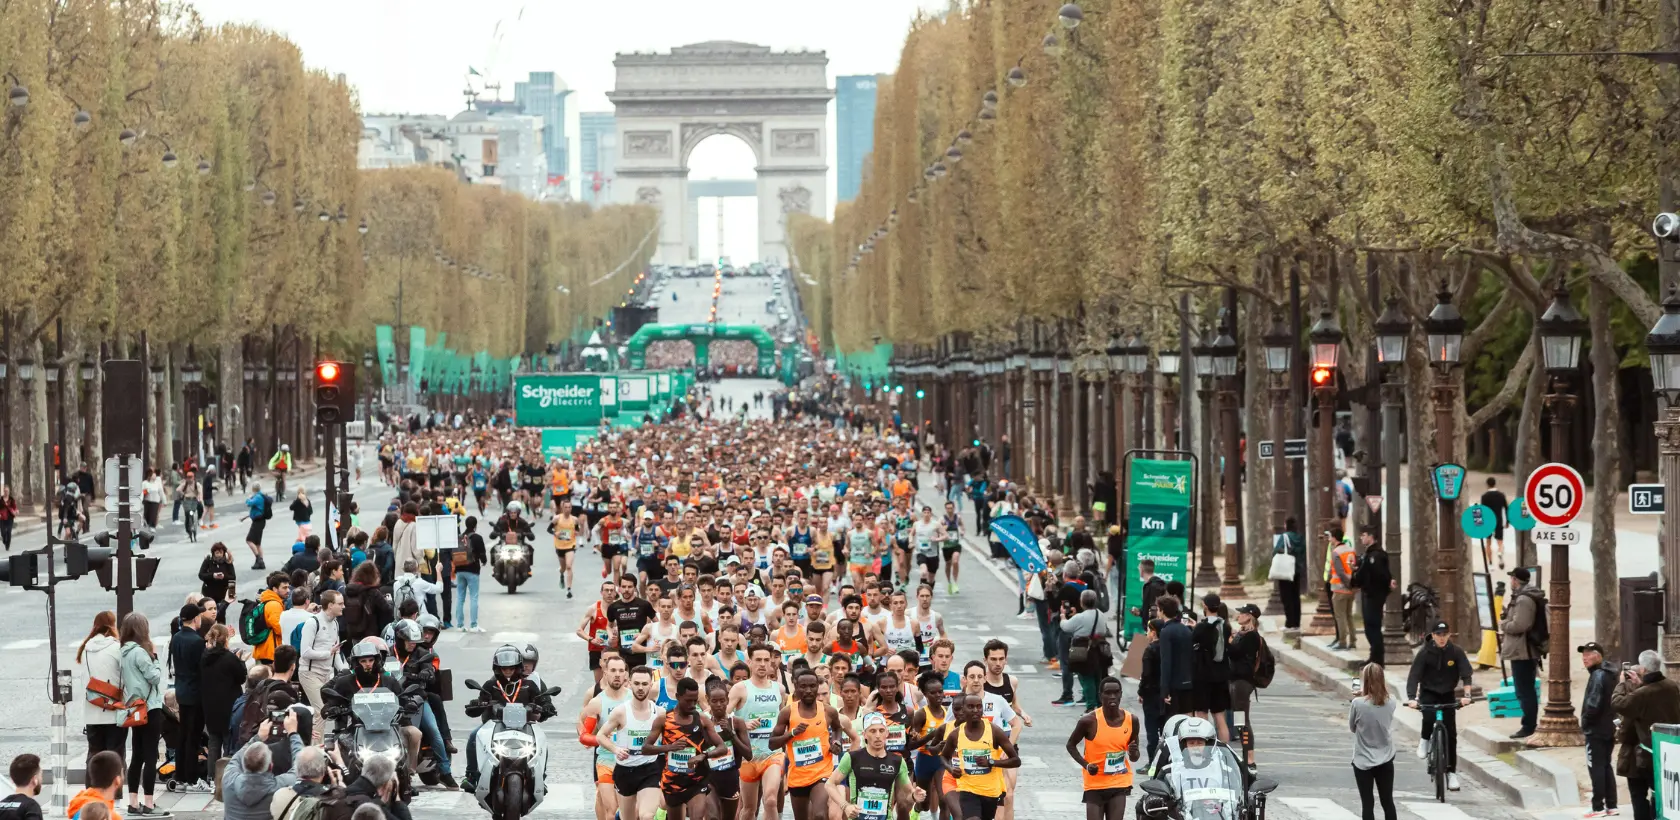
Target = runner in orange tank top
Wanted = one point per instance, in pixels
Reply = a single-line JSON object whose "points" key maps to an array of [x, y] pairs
{"points": [[1110, 752], [811, 732]]}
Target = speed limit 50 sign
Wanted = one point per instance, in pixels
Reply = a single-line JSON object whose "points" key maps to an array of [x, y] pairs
{"points": [[1554, 493]]}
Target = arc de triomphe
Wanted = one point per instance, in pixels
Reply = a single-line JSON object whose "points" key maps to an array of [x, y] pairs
{"points": [[775, 101]]}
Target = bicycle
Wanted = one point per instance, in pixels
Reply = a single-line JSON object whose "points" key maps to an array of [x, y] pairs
{"points": [[1437, 762]]}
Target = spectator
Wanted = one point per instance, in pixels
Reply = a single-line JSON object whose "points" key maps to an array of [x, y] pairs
{"points": [[1522, 606], [218, 579], [302, 512], [378, 787], [1177, 657], [1210, 641], [1342, 560], [1440, 673], [1066, 603], [316, 648], [306, 555], [142, 677], [187, 648], [1598, 726], [104, 785], [405, 540], [26, 778], [367, 609], [1289, 590], [1644, 697], [1375, 584], [220, 682], [249, 785], [1149, 688], [273, 603], [1089, 623], [100, 657], [312, 774], [1371, 719]]}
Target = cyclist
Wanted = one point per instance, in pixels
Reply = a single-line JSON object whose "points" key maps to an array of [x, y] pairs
{"points": [[1438, 671]]}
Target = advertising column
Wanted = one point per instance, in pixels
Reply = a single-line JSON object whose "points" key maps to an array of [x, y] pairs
{"points": [[1159, 512]]}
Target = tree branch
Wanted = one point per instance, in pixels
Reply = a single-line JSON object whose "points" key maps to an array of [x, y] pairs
{"points": [[1490, 325], [1515, 381]]}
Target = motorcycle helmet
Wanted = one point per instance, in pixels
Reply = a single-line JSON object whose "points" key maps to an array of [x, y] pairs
{"points": [[529, 656], [407, 630], [1196, 738], [430, 628], [507, 663], [365, 660], [515, 507]]}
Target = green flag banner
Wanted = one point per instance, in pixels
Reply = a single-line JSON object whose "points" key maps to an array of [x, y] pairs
{"points": [[1159, 511], [416, 356], [559, 400], [385, 346], [559, 442]]}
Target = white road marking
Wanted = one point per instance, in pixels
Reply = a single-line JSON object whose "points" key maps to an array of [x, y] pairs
{"points": [[1026, 669], [1431, 810], [1319, 808], [28, 643], [515, 638], [1056, 801]]}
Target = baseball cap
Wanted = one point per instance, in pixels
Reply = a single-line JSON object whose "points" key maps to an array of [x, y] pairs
{"points": [[1519, 573], [813, 598], [1441, 628], [753, 591], [190, 611], [647, 513], [1252, 610], [1590, 646]]}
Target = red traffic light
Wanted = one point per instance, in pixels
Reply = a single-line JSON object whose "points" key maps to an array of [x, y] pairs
{"points": [[1322, 376], [326, 372]]}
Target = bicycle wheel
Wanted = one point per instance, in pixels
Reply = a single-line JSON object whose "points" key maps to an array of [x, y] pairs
{"points": [[1438, 760]]}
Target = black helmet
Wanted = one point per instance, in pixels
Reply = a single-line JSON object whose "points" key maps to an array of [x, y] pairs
{"points": [[507, 657], [529, 654]]}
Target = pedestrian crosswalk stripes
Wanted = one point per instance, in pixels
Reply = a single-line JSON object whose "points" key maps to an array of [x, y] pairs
{"points": [[1431, 810], [1323, 808], [1318, 808]]}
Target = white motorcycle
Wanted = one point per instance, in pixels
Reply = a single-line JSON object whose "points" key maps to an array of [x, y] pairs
{"points": [[510, 562], [512, 782]]}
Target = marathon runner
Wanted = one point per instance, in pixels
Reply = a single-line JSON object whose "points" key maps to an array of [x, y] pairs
{"points": [[567, 529]]}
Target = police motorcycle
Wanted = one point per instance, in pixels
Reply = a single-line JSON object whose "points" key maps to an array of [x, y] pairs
{"points": [[512, 555], [426, 767], [369, 721], [514, 753], [1196, 777]]}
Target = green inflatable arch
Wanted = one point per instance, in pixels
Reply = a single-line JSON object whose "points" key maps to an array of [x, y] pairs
{"points": [[702, 336]]}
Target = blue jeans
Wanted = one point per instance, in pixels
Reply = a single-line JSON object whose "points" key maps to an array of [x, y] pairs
{"points": [[1064, 642], [466, 584], [1523, 676], [1046, 630], [429, 727]]}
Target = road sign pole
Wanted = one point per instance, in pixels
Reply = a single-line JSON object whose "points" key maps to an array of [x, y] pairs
{"points": [[1558, 725], [125, 535]]}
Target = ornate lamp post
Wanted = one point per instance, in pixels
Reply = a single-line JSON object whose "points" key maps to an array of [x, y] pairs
{"points": [[1562, 330], [1225, 351], [1118, 368], [367, 388], [1444, 330], [192, 376], [1280, 349], [1041, 363], [1393, 332], [1202, 363], [1326, 341], [1170, 360], [1143, 386], [1662, 345]]}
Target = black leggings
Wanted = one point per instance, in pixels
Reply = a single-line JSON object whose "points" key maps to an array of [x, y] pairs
{"points": [[1382, 777], [105, 737], [142, 766]]}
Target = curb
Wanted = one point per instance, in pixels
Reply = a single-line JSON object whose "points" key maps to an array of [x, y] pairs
{"points": [[1535, 784]]}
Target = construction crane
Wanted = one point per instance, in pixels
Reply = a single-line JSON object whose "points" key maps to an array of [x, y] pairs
{"points": [[488, 85]]}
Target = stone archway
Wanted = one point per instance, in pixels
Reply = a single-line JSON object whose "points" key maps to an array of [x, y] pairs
{"points": [[775, 101]]}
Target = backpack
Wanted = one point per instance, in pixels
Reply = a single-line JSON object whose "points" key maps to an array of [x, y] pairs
{"points": [[258, 704], [289, 805], [1265, 666], [1539, 634], [358, 619], [357, 556], [404, 591], [253, 627], [296, 638], [268, 508]]}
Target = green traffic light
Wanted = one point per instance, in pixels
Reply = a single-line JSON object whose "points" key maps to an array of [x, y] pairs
{"points": [[921, 394]]}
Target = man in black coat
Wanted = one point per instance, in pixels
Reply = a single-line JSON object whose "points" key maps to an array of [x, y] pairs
{"points": [[186, 651], [1375, 584], [1598, 726], [1177, 658]]}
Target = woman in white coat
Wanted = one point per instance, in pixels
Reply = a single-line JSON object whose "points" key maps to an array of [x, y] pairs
{"points": [[100, 661]]}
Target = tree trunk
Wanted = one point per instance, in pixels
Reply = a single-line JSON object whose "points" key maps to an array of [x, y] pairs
{"points": [[1257, 490], [1606, 467], [1420, 498], [1528, 451], [231, 401], [39, 431]]}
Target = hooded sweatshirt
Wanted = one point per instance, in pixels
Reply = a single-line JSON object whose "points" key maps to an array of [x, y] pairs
{"points": [[272, 608], [247, 795], [102, 659], [86, 796]]}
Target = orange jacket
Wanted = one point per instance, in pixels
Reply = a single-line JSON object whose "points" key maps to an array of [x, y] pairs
{"points": [[86, 796], [272, 606]]}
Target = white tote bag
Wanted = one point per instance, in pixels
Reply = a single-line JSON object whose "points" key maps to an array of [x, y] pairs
{"points": [[1283, 563]]}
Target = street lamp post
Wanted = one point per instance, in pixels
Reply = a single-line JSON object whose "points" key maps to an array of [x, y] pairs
{"points": [[367, 394], [1114, 390], [1393, 332], [1201, 362], [1225, 371], [1170, 360], [1326, 340], [1280, 349], [1662, 345], [1041, 364], [1562, 331], [1143, 385], [88, 368], [1444, 328]]}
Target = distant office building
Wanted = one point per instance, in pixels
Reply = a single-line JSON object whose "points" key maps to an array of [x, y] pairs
{"points": [[597, 155], [854, 107], [544, 95]]}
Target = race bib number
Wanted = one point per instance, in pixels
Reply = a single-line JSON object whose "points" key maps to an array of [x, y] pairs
{"points": [[895, 737], [800, 549], [678, 761], [807, 752], [637, 738], [759, 728], [725, 761], [976, 761], [872, 803], [616, 539], [1115, 763], [602, 635], [647, 549], [626, 637]]}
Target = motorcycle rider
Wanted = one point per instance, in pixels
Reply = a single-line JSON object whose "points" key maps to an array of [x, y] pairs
{"points": [[366, 672], [512, 521], [507, 685], [528, 658], [419, 668]]}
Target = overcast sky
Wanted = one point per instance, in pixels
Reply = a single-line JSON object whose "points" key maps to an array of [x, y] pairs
{"points": [[411, 56]]}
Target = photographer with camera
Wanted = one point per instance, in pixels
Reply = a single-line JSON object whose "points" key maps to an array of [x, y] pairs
{"points": [[249, 785]]}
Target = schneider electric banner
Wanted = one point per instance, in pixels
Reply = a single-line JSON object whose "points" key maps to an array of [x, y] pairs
{"points": [[1158, 526], [564, 400], [633, 392]]}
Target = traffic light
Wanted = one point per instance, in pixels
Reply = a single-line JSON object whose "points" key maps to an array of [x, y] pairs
{"points": [[335, 392], [1322, 376]]}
